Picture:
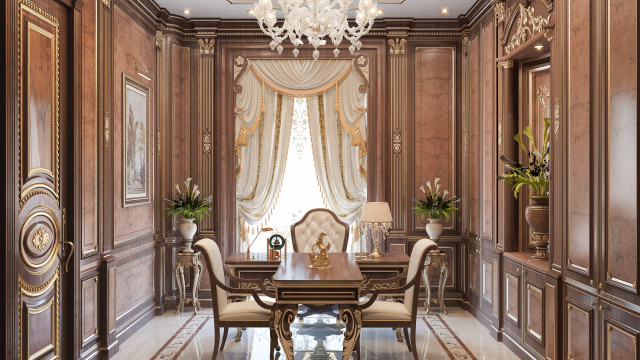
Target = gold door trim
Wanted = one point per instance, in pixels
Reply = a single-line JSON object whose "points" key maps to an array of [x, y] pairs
{"points": [[46, 264], [24, 289], [23, 168]]}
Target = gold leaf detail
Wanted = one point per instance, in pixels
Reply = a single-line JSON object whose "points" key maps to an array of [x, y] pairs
{"points": [[40, 239]]}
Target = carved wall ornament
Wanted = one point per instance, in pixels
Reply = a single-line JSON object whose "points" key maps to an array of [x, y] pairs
{"points": [[240, 65], [548, 33], [206, 142], [397, 143], [506, 64], [556, 119], [397, 46], [107, 3], [500, 10], [499, 132], [528, 25], [158, 142], [40, 239], [543, 93], [465, 42], [207, 46], [107, 129], [362, 68], [466, 142], [158, 39]]}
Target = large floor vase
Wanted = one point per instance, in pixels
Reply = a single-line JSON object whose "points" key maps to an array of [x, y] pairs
{"points": [[188, 230], [537, 215], [434, 229]]}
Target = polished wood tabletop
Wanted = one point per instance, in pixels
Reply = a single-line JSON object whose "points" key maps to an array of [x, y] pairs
{"points": [[294, 270], [360, 258]]}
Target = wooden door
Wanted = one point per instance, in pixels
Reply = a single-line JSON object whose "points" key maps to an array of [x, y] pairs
{"points": [[42, 124], [513, 298]]}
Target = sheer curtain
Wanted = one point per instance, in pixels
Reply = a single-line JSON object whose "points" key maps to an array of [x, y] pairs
{"points": [[337, 120]]}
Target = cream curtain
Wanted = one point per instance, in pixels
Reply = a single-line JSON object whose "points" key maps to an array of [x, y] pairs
{"points": [[338, 132]]}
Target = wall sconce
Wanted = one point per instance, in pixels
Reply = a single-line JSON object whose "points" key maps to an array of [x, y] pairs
{"points": [[143, 71]]}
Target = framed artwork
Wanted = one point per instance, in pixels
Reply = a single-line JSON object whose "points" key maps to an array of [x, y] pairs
{"points": [[135, 142]]}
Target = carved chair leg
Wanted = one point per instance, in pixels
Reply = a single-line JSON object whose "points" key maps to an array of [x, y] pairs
{"points": [[406, 338], [216, 341], [224, 338], [399, 336], [238, 336], [414, 345]]}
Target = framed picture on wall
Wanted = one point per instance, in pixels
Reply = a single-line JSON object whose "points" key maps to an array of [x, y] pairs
{"points": [[135, 142]]}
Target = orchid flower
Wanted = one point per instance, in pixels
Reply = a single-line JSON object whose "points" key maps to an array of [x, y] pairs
{"points": [[178, 189]]}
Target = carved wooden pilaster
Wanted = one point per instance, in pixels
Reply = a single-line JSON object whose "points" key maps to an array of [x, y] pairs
{"points": [[398, 112], [205, 151]]}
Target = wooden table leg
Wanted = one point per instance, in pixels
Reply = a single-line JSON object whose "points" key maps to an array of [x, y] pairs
{"points": [[282, 316], [179, 274], [427, 285], [351, 316]]}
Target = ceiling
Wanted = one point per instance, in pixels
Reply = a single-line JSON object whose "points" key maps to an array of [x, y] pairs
{"points": [[237, 9]]}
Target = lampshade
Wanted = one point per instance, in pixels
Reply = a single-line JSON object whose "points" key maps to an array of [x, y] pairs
{"points": [[376, 212]]}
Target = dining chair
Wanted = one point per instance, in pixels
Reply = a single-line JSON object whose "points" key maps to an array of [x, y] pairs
{"points": [[385, 314], [305, 232], [251, 313]]}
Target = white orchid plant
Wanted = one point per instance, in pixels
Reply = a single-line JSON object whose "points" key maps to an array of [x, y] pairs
{"points": [[188, 204], [436, 203]]}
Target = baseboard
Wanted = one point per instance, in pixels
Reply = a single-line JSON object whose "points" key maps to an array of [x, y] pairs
{"points": [[521, 352]]}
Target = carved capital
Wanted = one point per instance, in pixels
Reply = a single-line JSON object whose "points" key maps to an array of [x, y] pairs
{"points": [[465, 42], [107, 3], [500, 9], [548, 33], [158, 39], [506, 64], [397, 46], [207, 46]]}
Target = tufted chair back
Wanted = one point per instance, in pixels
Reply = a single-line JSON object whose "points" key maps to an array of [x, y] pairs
{"points": [[416, 265], [212, 257], [305, 232]]}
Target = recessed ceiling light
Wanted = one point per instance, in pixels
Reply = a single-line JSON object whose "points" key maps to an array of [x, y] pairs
{"points": [[186, 11], [444, 10], [538, 47]]}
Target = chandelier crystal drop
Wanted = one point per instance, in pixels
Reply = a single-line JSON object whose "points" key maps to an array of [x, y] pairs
{"points": [[315, 19]]}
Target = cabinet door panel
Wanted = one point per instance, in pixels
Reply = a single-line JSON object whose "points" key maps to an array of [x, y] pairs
{"points": [[512, 298], [579, 331], [621, 331]]}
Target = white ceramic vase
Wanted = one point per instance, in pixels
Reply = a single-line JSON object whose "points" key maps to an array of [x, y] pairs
{"points": [[188, 230], [434, 228]]}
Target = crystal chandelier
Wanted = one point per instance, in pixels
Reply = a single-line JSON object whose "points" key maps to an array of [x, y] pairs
{"points": [[315, 19]]}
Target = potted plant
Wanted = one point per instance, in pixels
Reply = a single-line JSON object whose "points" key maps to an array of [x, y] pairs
{"points": [[436, 205], [535, 175], [189, 206]]}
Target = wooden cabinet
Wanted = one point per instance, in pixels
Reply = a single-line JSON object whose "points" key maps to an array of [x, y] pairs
{"points": [[530, 316]]}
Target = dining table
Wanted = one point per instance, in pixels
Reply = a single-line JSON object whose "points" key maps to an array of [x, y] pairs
{"points": [[293, 282]]}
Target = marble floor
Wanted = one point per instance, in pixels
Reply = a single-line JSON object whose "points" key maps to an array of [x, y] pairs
{"points": [[457, 335]]}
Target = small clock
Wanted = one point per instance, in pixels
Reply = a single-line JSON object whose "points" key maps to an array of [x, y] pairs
{"points": [[276, 242]]}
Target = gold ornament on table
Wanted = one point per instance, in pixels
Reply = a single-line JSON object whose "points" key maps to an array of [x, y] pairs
{"points": [[320, 260]]}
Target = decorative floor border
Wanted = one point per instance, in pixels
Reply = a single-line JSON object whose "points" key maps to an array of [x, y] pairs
{"points": [[446, 337]]}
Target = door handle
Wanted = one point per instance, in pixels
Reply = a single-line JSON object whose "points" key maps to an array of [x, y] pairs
{"points": [[64, 242]]}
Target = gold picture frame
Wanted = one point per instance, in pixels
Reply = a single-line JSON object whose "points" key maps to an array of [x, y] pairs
{"points": [[136, 125]]}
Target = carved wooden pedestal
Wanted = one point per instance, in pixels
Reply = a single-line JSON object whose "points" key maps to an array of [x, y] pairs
{"points": [[192, 260], [436, 259]]}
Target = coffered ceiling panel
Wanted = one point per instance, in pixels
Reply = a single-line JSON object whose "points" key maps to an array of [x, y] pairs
{"points": [[237, 9]]}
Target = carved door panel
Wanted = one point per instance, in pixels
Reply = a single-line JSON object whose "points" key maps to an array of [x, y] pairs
{"points": [[474, 254], [43, 81], [513, 298]]}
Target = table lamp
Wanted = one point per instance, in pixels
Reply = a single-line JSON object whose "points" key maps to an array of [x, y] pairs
{"points": [[376, 216], [254, 240]]}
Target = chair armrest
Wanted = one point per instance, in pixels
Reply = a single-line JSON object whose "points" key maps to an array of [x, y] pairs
{"points": [[257, 283], [375, 283], [251, 292], [416, 280]]}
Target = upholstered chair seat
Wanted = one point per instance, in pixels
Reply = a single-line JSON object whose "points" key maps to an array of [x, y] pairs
{"points": [[249, 313], [385, 314], [386, 310], [243, 310]]}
